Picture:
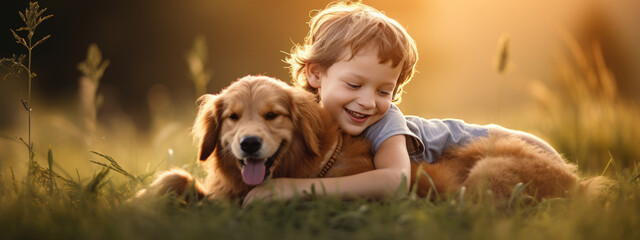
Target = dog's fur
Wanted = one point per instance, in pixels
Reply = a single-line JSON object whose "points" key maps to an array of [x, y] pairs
{"points": [[293, 129]]}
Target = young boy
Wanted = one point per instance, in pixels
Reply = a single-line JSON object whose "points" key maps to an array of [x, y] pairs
{"points": [[356, 60]]}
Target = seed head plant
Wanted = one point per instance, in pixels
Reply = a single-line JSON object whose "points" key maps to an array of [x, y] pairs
{"points": [[501, 62], [197, 61], [502, 65], [32, 17], [92, 70]]}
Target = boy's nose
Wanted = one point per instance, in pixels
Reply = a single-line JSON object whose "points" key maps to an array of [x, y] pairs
{"points": [[367, 100]]}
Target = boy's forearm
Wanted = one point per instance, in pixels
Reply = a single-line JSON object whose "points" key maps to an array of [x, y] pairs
{"points": [[377, 184]]}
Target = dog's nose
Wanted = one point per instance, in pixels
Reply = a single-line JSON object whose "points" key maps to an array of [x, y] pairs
{"points": [[250, 144]]}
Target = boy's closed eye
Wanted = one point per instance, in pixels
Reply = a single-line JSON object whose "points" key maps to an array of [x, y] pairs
{"points": [[352, 85], [384, 93]]}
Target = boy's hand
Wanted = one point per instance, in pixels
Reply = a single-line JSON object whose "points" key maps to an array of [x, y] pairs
{"points": [[274, 189]]}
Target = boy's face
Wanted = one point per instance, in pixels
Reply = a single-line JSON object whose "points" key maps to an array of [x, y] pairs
{"points": [[356, 92]]}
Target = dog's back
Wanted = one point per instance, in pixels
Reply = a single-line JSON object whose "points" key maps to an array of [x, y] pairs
{"points": [[499, 164]]}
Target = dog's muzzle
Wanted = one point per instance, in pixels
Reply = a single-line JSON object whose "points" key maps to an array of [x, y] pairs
{"points": [[256, 170]]}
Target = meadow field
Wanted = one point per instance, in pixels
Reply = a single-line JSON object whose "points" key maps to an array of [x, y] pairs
{"points": [[68, 168]]}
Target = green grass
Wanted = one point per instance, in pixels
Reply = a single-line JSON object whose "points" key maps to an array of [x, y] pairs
{"points": [[97, 209]]}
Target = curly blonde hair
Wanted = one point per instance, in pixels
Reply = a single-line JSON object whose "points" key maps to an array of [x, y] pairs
{"points": [[353, 26]]}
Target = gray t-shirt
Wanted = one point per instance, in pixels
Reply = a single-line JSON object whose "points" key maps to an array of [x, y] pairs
{"points": [[426, 138]]}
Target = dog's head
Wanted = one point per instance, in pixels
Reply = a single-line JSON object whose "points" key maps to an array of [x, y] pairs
{"points": [[252, 122]]}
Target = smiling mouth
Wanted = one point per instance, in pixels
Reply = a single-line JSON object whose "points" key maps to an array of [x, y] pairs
{"points": [[356, 116]]}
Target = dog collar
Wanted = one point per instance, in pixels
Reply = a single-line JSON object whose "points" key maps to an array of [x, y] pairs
{"points": [[332, 160]]}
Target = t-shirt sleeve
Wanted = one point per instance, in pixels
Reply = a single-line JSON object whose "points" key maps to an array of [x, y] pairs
{"points": [[440, 134], [391, 124]]}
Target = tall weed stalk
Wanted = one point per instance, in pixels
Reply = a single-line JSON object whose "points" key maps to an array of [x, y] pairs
{"points": [[31, 17], [197, 60], [92, 70]]}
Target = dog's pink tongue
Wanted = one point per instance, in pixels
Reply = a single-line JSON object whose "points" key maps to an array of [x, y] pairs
{"points": [[253, 172]]}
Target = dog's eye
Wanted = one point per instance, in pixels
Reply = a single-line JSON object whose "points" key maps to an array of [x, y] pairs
{"points": [[270, 115], [234, 117]]}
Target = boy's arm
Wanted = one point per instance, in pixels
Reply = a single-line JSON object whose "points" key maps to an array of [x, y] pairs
{"points": [[391, 162]]}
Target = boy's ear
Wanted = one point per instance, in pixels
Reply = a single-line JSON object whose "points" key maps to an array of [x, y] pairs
{"points": [[313, 72]]}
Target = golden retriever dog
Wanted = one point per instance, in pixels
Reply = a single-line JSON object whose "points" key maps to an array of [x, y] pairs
{"points": [[260, 128]]}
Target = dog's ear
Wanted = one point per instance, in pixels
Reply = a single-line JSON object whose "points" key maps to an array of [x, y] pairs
{"points": [[206, 127], [307, 116]]}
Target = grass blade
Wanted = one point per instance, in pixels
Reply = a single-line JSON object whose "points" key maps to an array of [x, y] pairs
{"points": [[50, 161], [13, 178], [461, 193], [635, 178], [114, 166], [433, 184], [516, 192], [611, 161], [96, 182], [402, 190]]}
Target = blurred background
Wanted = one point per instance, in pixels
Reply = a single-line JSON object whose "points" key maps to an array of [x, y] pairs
{"points": [[571, 72]]}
